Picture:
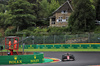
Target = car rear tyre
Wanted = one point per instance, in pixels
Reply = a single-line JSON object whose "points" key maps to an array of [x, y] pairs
{"points": [[62, 60]]}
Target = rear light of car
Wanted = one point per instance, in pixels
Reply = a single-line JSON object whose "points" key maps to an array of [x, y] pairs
{"points": [[68, 57]]}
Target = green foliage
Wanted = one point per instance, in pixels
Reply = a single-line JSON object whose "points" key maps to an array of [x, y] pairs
{"points": [[25, 15], [8, 32], [2, 19], [82, 19], [26, 32], [61, 1], [39, 32], [53, 6], [33, 31], [41, 12], [74, 2], [56, 30], [0, 34], [98, 10], [45, 8], [20, 14], [2, 8], [97, 29]]}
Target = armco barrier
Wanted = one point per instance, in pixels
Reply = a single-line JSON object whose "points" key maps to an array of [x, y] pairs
{"points": [[28, 46], [63, 46], [22, 59], [69, 46]]}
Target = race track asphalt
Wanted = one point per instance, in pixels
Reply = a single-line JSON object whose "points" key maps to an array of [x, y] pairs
{"points": [[81, 59]]}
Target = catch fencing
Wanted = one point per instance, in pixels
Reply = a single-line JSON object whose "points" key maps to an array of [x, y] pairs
{"points": [[53, 39]]}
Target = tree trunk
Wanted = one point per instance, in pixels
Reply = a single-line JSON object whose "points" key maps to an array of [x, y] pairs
{"points": [[17, 28]]}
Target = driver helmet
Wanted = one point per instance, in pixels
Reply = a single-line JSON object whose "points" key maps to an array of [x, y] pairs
{"points": [[68, 53]]}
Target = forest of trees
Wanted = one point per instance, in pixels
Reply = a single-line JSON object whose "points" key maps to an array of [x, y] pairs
{"points": [[25, 16], [35, 14], [83, 18]]}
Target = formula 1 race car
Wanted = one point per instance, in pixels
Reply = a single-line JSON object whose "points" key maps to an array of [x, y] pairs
{"points": [[68, 57]]}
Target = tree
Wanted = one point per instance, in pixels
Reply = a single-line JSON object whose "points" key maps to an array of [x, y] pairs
{"points": [[74, 2], [21, 14], [39, 12], [61, 1], [3, 5], [3, 17], [2, 20], [2, 8], [83, 17], [98, 10], [47, 8], [44, 8], [53, 6]]}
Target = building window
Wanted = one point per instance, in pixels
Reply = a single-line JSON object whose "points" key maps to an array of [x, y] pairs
{"points": [[60, 19], [64, 12], [67, 18], [53, 22]]}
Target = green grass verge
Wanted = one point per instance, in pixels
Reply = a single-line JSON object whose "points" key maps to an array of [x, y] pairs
{"points": [[62, 49], [58, 50]]}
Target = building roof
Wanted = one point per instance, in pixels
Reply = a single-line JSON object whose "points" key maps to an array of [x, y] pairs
{"points": [[63, 5]]}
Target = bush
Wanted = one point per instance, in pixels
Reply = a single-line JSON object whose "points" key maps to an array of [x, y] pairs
{"points": [[57, 30], [10, 31], [26, 32], [97, 30], [0, 34], [37, 31]]}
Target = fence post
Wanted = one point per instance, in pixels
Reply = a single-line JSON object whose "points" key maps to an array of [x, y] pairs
{"points": [[54, 39], [32, 39], [76, 38], [65, 38], [23, 45], [89, 35], [43, 39]]}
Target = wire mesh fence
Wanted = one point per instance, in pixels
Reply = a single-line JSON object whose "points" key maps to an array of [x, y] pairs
{"points": [[78, 38]]}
